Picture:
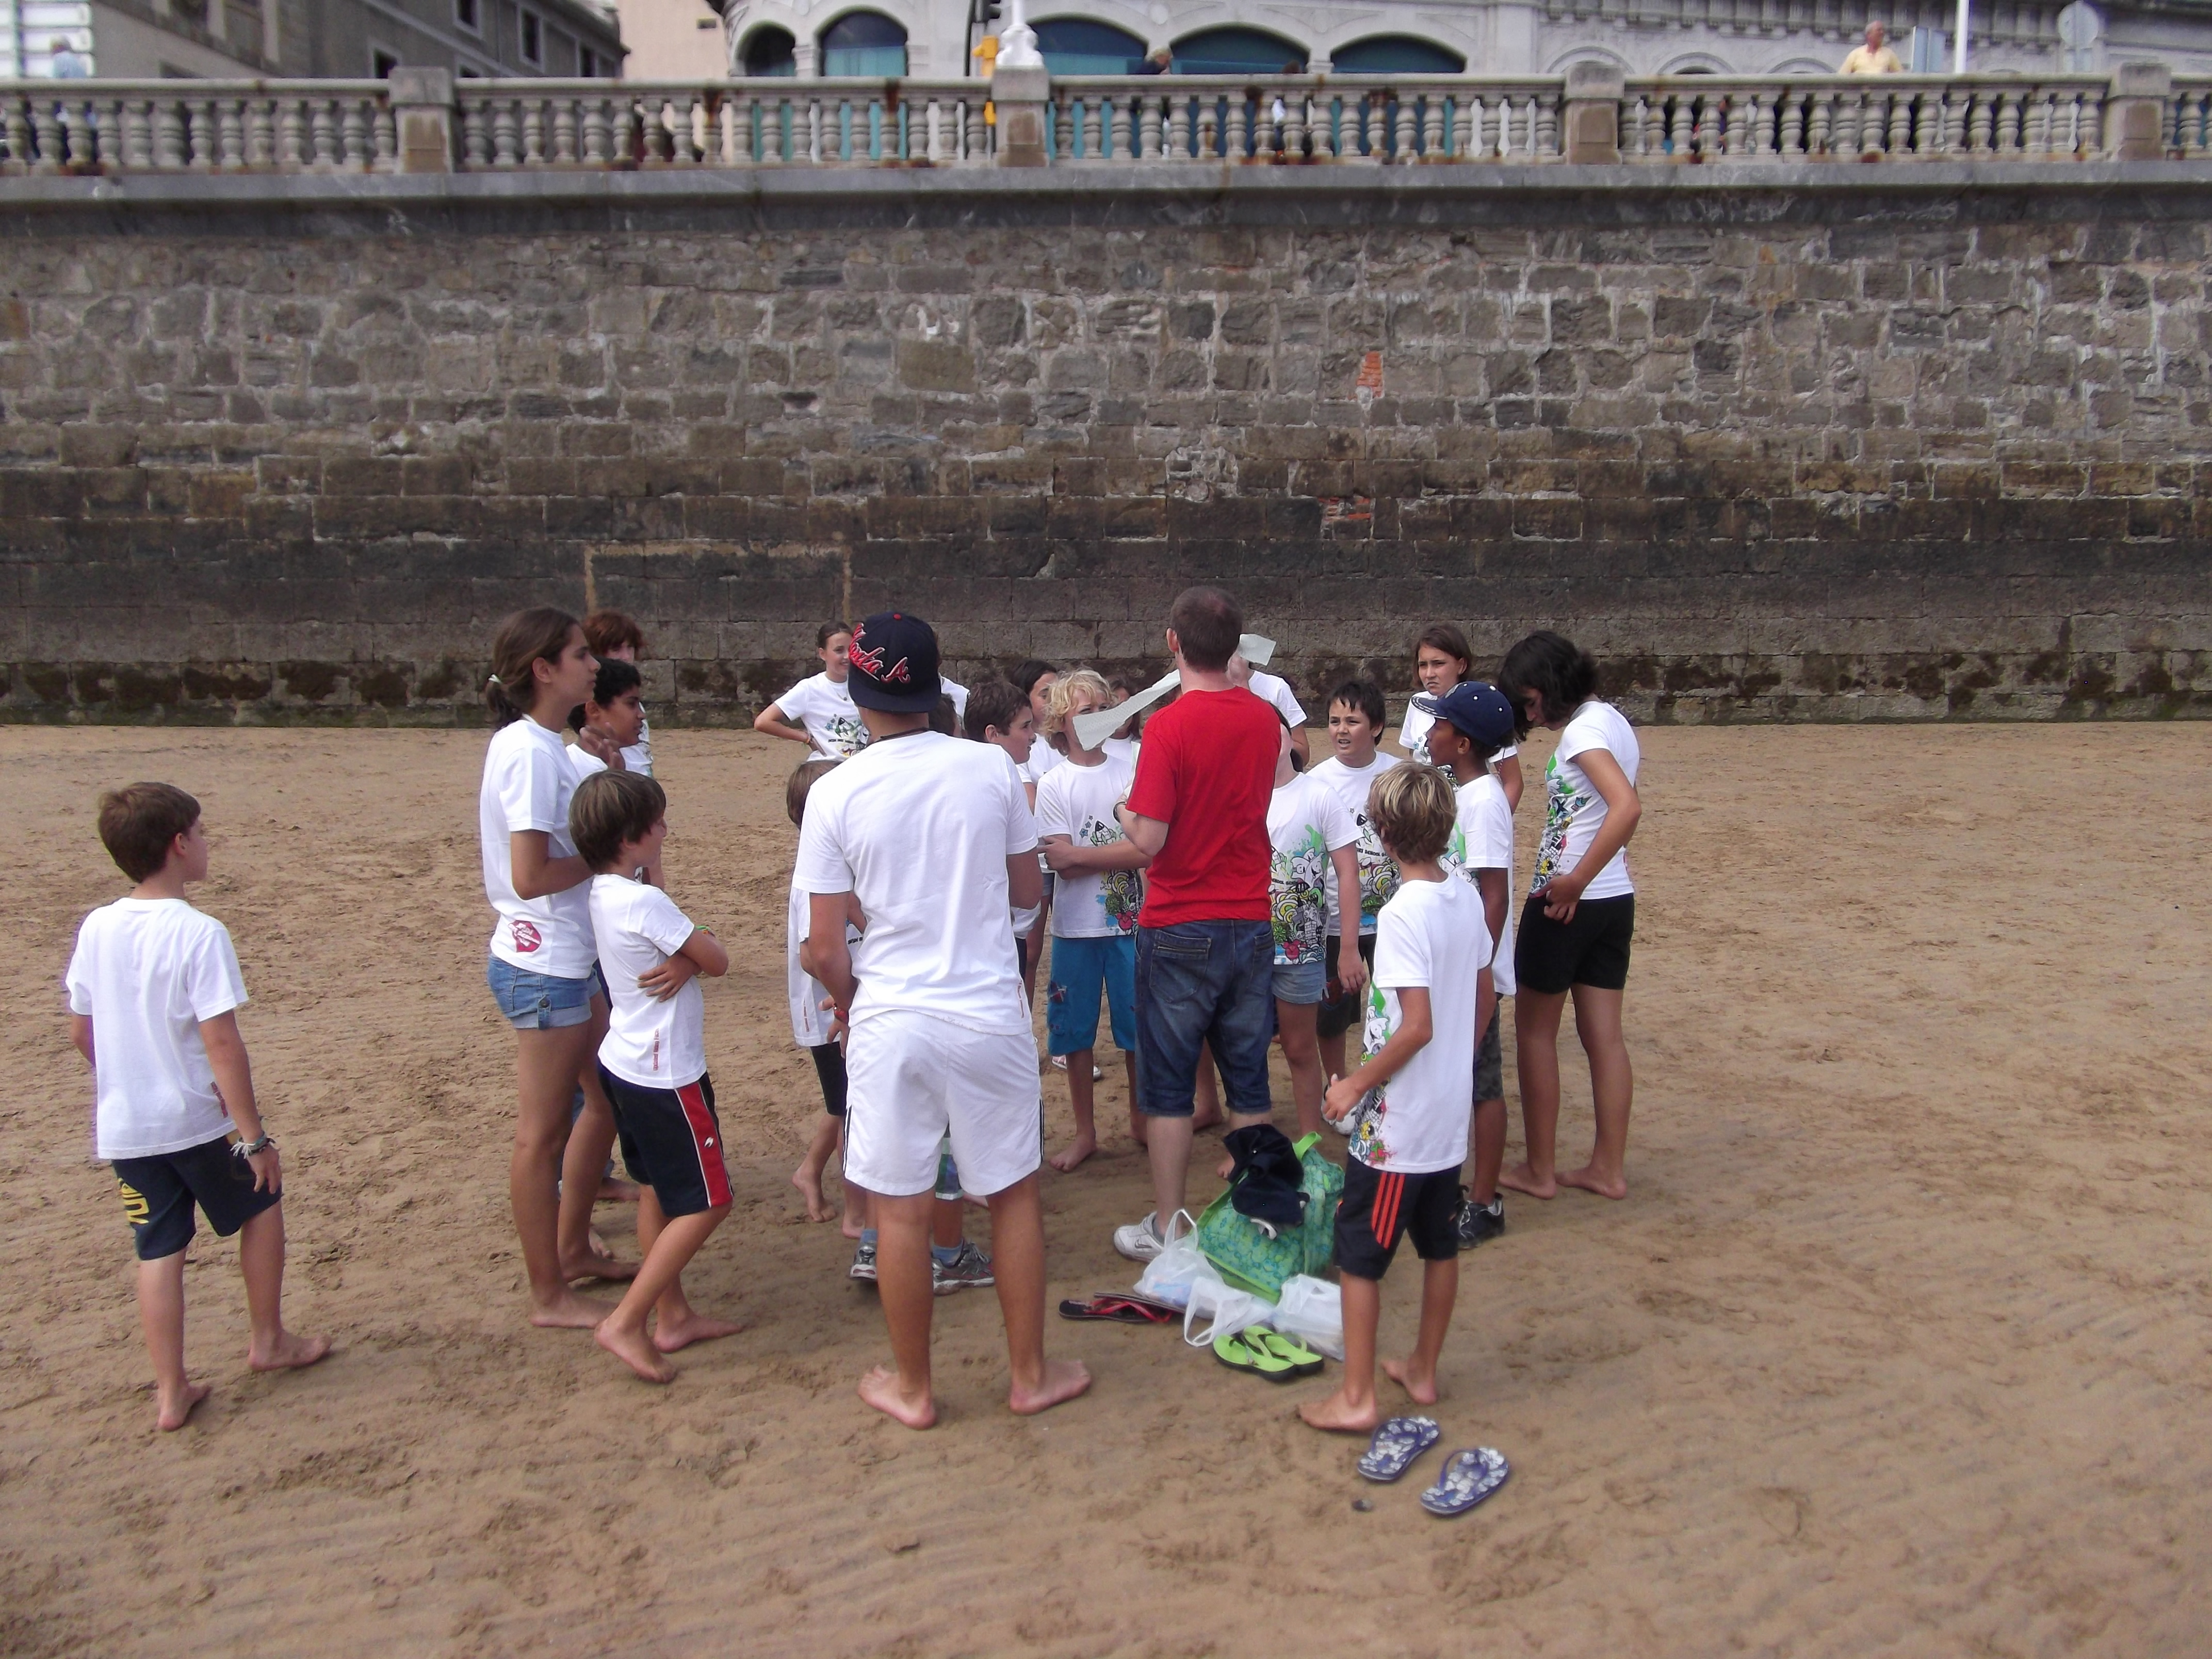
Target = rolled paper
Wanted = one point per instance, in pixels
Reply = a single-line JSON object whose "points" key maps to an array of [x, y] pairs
{"points": [[1100, 724]]}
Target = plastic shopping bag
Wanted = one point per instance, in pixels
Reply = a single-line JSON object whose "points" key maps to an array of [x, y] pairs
{"points": [[1312, 1310], [1223, 1308], [1168, 1276]]}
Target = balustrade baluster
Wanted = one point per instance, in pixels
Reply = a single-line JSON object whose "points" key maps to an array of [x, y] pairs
{"points": [[1678, 126], [1401, 129], [2009, 116], [1900, 123], [1981, 124], [1294, 126], [229, 134], [49, 128], [1209, 120], [387, 140], [19, 133], [1118, 129], [1148, 127], [979, 135], [168, 135], [1953, 139], [1546, 114], [503, 151], [814, 131], [355, 131], [199, 137], [1823, 123], [2035, 135], [1432, 126], [533, 133], [1241, 146]]}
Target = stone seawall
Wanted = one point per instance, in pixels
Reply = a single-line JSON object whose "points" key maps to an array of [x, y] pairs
{"points": [[1804, 443]]}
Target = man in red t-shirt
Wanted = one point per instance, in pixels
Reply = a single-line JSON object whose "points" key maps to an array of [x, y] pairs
{"points": [[1205, 941]]}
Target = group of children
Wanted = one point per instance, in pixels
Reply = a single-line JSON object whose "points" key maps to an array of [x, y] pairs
{"points": [[1391, 900]]}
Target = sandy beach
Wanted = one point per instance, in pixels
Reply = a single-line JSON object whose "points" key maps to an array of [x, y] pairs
{"points": [[1902, 1341]]}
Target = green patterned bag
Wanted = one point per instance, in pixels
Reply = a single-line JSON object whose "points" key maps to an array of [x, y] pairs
{"points": [[1247, 1258]]}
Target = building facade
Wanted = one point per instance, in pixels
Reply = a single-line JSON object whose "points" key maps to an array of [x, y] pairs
{"points": [[339, 38], [672, 40]]}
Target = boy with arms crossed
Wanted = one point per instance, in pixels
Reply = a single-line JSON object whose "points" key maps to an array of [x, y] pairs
{"points": [[154, 988], [933, 839], [1355, 727], [1312, 837], [1406, 1107]]}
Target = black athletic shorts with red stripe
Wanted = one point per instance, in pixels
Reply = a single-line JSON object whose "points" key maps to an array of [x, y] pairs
{"points": [[1380, 1208], [672, 1141]]}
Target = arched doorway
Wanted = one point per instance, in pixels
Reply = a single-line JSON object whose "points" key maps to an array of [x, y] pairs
{"points": [[769, 50], [1395, 54], [864, 43], [1079, 46], [1237, 51]]}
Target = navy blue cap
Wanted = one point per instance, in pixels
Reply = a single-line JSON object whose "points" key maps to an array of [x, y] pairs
{"points": [[1479, 710], [894, 658]]}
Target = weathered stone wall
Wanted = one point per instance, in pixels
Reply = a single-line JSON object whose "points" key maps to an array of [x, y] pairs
{"points": [[1818, 445]]}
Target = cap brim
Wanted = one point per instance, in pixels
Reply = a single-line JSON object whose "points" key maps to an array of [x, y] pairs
{"points": [[869, 695]]}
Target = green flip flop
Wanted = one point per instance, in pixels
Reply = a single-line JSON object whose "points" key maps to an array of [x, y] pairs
{"points": [[1301, 1360], [1240, 1355]]}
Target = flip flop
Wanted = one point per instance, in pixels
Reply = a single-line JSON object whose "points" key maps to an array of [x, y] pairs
{"points": [[1469, 1477], [1303, 1360], [1119, 1311], [1396, 1444], [1242, 1356]]}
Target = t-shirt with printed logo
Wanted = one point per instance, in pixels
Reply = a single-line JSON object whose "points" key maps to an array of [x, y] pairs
{"points": [[529, 778], [1306, 823], [1378, 870], [1432, 935], [1078, 801], [1573, 809], [1482, 839], [653, 1043], [825, 707]]}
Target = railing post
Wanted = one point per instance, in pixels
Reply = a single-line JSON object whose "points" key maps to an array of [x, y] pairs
{"points": [[1594, 96], [2135, 113], [1023, 97], [422, 111]]}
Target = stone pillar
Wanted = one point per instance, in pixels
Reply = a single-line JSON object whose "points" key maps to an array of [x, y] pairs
{"points": [[1023, 97], [423, 115], [1592, 133], [2135, 113]]}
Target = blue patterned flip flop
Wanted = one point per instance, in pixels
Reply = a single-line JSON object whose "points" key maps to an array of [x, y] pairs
{"points": [[1469, 1477], [1396, 1444]]}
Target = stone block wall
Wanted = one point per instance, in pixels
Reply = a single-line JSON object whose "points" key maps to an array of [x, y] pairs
{"points": [[1773, 446]]}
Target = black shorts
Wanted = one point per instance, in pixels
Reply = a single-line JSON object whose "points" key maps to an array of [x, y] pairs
{"points": [[1551, 957], [159, 1194], [672, 1141], [829, 1066], [1340, 1013], [1381, 1208]]}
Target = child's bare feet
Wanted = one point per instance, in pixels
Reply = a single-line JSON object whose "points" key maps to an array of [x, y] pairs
{"points": [[1226, 1168], [1072, 1155], [809, 1182], [1589, 1181], [852, 1227], [290, 1352], [1523, 1179], [1341, 1413], [1064, 1379], [613, 1190], [599, 1264], [1421, 1386], [173, 1412], [880, 1389], [670, 1335], [632, 1348], [571, 1313]]}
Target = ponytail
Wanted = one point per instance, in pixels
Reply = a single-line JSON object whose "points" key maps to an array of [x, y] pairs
{"points": [[538, 634]]}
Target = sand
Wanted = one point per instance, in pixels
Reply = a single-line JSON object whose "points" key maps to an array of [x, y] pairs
{"points": [[1898, 1344]]}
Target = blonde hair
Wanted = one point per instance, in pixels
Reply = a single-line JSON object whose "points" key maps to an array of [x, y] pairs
{"points": [[1414, 809], [1060, 697]]}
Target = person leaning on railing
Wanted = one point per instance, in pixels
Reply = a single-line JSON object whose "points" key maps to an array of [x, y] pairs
{"points": [[1874, 58]]}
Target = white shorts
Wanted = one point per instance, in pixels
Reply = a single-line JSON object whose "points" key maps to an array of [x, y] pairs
{"points": [[912, 1079]]}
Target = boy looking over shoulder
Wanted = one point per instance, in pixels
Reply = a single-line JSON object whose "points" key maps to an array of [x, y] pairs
{"points": [[1406, 1107], [154, 990]]}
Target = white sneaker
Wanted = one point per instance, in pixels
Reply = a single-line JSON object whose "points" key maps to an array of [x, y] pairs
{"points": [[1140, 1241], [1059, 1062]]}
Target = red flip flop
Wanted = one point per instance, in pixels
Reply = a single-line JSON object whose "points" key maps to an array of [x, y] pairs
{"points": [[1121, 1308]]}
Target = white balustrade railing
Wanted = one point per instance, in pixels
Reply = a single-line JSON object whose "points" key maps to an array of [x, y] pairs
{"points": [[359, 126]]}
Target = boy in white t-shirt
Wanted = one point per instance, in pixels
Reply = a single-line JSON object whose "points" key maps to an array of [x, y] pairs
{"points": [[154, 988], [652, 1065], [811, 1030], [1406, 1107], [934, 840], [1355, 727], [1312, 837], [818, 711], [615, 637], [1094, 918], [998, 713]]}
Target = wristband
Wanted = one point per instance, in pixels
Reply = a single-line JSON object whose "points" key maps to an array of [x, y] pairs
{"points": [[253, 1148]]}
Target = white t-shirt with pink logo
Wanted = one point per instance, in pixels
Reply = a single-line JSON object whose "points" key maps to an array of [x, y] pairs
{"points": [[528, 779]]}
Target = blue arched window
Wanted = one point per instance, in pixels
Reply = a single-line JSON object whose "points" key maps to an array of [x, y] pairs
{"points": [[864, 43], [1237, 51], [1077, 45], [1395, 54], [769, 50]]}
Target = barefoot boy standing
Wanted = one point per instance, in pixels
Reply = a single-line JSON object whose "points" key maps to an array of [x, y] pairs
{"points": [[154, 988], [1406, 1107], [935, 838]]}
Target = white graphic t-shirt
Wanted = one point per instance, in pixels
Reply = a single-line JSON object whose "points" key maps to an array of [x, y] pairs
{"points": [[1482, 839], [1305, 823], [1078, 802], [1378, 870], [528, 779], [1431, 935], [825, 707], [1573, 809], [649, 1042], [1413, 735]]}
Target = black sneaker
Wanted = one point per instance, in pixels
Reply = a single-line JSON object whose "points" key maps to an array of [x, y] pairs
{"points": [[1478, 1224]]}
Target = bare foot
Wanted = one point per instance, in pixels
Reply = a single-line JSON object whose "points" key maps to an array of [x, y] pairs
{"points": [[852, 1228], [671, 1334], [809, 1182], [1423, 1388], [174, 1412], [1522, 1179], [1341, 1414], [880, 1389], [1590, 1181], [1226, 1168], [613, 1190], [1072, 1155], [570, 1313], [597, 1264], [291, 1353], [635, 1351], [1064, 1379]]}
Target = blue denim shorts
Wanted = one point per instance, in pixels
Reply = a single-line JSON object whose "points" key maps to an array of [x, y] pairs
{"points": [[1080, 968], [540, 1002], [1203, 982], [1302, 984]]}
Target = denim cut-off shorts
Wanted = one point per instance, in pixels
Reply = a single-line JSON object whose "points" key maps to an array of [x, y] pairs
{"points": [[541, 1002]]}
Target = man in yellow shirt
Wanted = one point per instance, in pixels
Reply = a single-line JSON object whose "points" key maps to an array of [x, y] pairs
{"points": [[1874, 58]]}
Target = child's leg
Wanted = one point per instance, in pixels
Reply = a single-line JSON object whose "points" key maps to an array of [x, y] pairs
{"points": [[1081, 1096], [1612, 1088], [546, 1063], [1331, 1046], [1207, 1109], [584, 1165], [807, 1177], [261, 1259], [947, 1231], [1353, 1406], [1489, 1149], [904, 1285], [1295, 1021], [1417, 1372], [1536, 1047], [1138, 1122], [1018, 1252], [161, 1317], [1082, 970], [667, 1246]]}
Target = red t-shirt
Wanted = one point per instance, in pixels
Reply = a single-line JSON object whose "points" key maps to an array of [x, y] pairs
{"points": [[1208, 771]]}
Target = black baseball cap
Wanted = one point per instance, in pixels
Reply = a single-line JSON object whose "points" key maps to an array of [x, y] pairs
{"points": [[894, 665], [1475, 709]]}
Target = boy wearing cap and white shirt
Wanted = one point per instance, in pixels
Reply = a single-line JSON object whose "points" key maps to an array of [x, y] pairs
{"points": [[934, 839], [1473, 725]]}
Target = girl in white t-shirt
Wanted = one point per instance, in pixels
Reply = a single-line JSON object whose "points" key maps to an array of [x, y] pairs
{"points": [[1441, 660], [1580, 918], [819, 711], [542, 969]]}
